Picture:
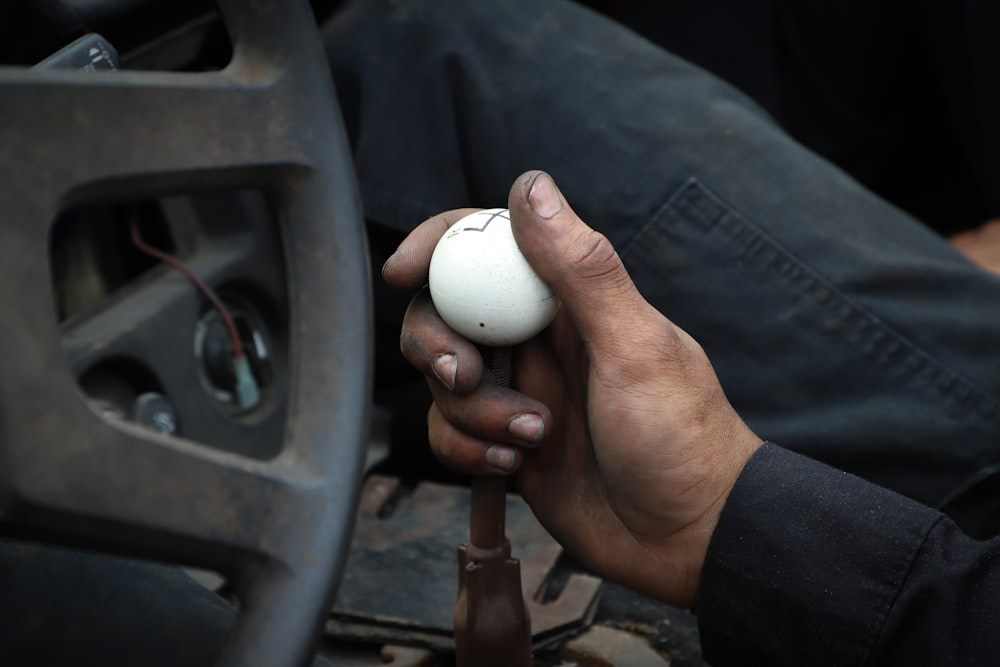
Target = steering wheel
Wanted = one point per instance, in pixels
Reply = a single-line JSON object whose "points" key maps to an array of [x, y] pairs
{"points": [[279, 529]]}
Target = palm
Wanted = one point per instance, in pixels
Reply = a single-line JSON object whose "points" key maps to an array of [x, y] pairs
{"points": [[561, 480], [608, 435]]}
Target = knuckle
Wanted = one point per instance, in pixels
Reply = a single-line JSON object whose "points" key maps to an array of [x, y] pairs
{"points": [[408, 343], [595, 257], [440, 434], [596, 262], [443, 447], [450, 445]]}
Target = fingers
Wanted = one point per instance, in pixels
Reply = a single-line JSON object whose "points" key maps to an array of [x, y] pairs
{"points": [[483, 433], [407, 267], [477, 442], [476, 426], [578, 262], [465, 453], [436, 350]]}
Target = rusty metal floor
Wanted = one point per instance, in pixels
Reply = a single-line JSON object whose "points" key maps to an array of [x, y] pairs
{"points": [[397, 599]]}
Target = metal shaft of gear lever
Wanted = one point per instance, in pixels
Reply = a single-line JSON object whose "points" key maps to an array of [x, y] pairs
{"points": [[492, 628]]}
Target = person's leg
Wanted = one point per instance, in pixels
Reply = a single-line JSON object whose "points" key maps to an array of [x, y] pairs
{"points": [[839, 326], [67, 607]]}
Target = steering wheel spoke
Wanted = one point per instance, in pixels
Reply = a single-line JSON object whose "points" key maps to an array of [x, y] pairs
{"points": [[150, 495]]}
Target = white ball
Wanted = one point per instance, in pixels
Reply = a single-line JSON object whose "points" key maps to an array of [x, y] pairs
{"points": [[482, 285]]}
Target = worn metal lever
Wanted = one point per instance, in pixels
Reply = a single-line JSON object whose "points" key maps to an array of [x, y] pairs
{"points": [[492, 627]]}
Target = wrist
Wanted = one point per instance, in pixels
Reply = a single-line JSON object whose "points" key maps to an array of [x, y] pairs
{"points": [[669, 567]]}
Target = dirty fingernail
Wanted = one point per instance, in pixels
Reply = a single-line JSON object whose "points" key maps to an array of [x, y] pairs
{"points": [[387, 263], [528, 427], [445, 368], [501, 458], [544, 197]]}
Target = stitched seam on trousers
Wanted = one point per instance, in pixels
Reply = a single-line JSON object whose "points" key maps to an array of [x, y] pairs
{"points": [[857, 327]]}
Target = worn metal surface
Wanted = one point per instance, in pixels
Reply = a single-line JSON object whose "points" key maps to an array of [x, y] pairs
{"points": [[359, 655], [492, 626], [403, 656], [601, 646], [670, 631], [400, 585], [268, 121]]}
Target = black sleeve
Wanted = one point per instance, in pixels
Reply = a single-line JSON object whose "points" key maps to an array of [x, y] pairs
{"points": [[812, 566]]}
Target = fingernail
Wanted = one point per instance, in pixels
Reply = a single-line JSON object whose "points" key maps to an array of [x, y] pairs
{"points": [[501, 458], [445, 369], [543, 198], [387, 264], [529, 428]]}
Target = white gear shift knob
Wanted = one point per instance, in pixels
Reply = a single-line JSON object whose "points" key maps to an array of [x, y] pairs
{"points": [[483, 287]]}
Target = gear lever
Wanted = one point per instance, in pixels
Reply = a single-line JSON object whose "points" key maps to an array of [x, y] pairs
{"points": [[485, 290]]}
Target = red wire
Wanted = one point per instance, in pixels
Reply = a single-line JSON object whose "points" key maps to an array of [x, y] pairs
{"points": [[198, 282]]}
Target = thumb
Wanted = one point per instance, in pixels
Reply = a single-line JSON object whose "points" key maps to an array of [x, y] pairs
{"points": [[579, 263]]}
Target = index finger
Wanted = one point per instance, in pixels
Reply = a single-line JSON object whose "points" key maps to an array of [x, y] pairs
{"points": [[407, 267]]}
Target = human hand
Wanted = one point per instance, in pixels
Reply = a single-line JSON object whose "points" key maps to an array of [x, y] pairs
{"points": [[623, 442], [981, 245]]}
